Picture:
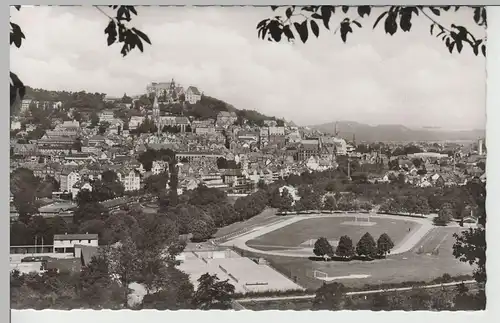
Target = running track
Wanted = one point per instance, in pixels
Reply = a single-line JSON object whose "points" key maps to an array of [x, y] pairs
{"points": [[405, 245]]}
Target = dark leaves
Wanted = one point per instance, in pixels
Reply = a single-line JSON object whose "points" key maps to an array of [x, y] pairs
{"points": [[356, 23], [345, 9], [483, 50], [345, 28], [405, 19], [364, 10], [117, 31], [131, 38], [16, 88], [302, 30], [289, 12], [315, 28], [17, 7], [262, 23], [142, 35], [326, 14], [380, 18], [16, 35], [390, 25], [435, 11], [288, 32], [273, 8], [275, 31], [111, 32]]}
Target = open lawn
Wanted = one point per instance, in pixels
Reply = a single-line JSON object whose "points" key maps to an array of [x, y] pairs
{"points": [[332, 228], [408, 266], [267, 216]]}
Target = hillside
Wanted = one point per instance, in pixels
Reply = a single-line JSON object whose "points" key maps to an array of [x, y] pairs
{"points": [[207, 108], [364, 132]]}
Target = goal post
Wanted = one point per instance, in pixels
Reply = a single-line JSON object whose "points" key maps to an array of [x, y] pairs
{"points": [[320, 275]]}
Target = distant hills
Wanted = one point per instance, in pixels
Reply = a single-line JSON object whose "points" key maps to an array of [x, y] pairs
{"points": [[364, 132]]}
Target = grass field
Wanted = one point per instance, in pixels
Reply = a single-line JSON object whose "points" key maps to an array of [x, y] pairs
{"points": [[267, 216], [410, 266], [332, 228]]}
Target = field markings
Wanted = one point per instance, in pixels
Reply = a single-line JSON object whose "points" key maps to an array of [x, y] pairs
{"points": [[407, 244], [351, 276]]}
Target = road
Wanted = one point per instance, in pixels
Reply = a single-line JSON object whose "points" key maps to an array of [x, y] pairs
{"points": [[366, 292]]}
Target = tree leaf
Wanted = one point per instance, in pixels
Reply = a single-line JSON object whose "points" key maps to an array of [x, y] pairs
{"points": [[262, 23], [390, 24], [475, 50], [142, 35], [138, 41], [380, 18], [111, 32], [315, 28], [316, 16], [17, 7], [364, 10], [288, 32], [432, 27], [345, 28], [483, 49], [289, 12], [302, 30], [460, 45], [435, 11], [345, 9], [273, 8], [132, 9], [275, 30], [450, 48], [356, 23], [477, 15], [326, 14]]}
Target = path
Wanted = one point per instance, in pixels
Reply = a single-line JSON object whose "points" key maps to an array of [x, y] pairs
{"points": [[366, 292], [406, 245]]}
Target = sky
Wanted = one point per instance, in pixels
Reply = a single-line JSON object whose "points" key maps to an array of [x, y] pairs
{"points": [[409, 78]]}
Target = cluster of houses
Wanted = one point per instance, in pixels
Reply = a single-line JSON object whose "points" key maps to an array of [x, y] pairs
{"points": [[75, 153]]}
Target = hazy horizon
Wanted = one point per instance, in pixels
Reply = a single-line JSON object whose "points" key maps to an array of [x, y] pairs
{"points": [[367, 80]]}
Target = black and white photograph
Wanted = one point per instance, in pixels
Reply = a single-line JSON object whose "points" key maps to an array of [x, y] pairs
{"points": [[313, 157]]}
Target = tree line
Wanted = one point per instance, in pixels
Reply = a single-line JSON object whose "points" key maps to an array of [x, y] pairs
{"points": [[366, 248]]}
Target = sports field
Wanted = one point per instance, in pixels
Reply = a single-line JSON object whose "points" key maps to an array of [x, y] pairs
{"points": [[414, 265], [332, 228]]}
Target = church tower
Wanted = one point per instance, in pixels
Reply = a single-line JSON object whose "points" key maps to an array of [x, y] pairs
{"points": [[156, 114], [156, 108]]}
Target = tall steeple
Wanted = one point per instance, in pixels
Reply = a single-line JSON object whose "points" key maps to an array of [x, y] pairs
{"points": [[336, 132], [156, 114], [156, 107]]}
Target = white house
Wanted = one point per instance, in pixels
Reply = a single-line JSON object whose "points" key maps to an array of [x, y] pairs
{"points": [[106, 116], [80, 186], [193, 95], [65, 243], [135, 121], [158, 167], [131, 179]]}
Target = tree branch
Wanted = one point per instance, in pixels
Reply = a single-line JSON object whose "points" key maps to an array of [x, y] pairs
{"points": [[433, 20], [103, 12]]}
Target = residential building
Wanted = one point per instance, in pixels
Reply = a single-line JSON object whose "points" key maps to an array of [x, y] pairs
{"points": [[106, 116], [226, 118], [193, 95], [131, 179], [65, 243]]}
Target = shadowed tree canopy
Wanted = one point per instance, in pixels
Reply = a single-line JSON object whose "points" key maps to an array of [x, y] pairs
{"points": [[302, 22], [295, 21], [116, 31]]}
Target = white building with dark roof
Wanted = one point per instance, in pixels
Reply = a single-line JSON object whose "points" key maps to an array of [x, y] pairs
{"points": [[193, 95]]}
